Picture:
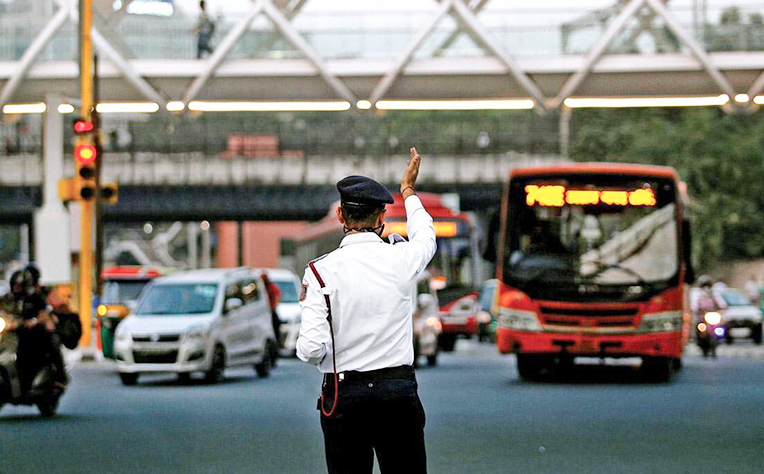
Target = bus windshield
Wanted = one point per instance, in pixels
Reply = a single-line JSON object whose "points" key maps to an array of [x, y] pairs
{"points": [[591, 232]]}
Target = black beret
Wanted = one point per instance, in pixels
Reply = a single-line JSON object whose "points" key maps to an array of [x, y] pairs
{"points": [[363, 191]]}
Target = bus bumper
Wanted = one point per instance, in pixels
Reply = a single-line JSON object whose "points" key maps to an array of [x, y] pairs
{"points": [[660, 344]]}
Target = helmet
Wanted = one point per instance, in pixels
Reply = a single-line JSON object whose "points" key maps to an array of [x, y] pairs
{"points": [[34, 272], [705, 281], [21, 282]]}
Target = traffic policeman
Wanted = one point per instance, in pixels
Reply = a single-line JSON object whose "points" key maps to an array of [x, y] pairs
{"points": [[357, 304]]}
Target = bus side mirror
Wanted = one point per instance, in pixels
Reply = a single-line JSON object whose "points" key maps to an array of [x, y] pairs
{"points": [[492, 239], [689, 271]]}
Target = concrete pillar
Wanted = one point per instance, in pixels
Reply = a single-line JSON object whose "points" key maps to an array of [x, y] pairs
{"points": [[206, 245], [565, 116], [192, 237], [51, 222], [228, 244]]}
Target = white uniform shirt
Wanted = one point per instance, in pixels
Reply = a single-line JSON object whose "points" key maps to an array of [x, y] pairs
{"points": [[372, 289]]}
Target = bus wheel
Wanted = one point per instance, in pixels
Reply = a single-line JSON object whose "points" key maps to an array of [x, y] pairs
{"points": [[529, 367], [659, 369]]}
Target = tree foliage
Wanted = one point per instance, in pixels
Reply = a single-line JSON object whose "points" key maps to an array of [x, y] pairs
{"points": [[720, 157]]}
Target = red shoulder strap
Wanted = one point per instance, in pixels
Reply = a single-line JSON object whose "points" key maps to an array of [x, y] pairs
{"points": [[323, 285], [334, 356]]}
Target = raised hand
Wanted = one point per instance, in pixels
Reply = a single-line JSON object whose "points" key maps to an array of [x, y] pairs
{"points": [[409, 176]]}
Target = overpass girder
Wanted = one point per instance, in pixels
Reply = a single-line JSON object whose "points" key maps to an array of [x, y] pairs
{"points": [[224, 203]]}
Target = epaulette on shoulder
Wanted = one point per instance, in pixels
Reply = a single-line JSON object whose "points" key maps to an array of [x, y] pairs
{"points": [[319, 258]]}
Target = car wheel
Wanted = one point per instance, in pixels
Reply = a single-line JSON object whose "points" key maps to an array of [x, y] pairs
{"points": [[432, 360], [48, 407], [184, 377], [756, 334], [217, 367], [264, 368], [274, 354], [447, 342], [128, 379]]}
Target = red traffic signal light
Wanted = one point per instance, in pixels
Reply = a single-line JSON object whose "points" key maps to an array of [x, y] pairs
{"points": [[83, 126], [85, 154]]}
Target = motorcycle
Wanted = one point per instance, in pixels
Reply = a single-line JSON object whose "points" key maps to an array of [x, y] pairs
{"points": [[709, 331], [35, 382]]}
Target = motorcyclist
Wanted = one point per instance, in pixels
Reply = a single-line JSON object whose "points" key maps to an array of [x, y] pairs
{"points": [[37, 336], [705, 301], [55, 306]]}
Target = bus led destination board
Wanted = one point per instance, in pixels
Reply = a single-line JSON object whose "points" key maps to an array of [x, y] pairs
{"points": [[559, 196]]}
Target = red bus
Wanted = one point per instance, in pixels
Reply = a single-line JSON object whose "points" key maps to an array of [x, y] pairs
{"points": [[593, 261], [454, 268]]}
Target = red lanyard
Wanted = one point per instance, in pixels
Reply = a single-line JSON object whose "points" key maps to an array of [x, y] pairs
{"points": [[334, 358]]}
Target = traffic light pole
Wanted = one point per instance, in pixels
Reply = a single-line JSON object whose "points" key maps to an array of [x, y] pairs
{"points": [[86, 205]]}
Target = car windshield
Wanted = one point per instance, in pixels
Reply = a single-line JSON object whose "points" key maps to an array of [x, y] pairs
{"points": [[599, 231], [122, 291], [288, 291], [735, 298], [174, 299]]}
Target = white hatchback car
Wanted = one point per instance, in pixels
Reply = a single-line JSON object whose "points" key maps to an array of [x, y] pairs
{"points": [[288, 308], [198, 321]]}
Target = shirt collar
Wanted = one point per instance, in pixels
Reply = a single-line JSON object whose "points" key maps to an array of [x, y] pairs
{"points": [[359, 238]]}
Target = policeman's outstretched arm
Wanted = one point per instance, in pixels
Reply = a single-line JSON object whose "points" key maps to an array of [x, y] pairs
{"points": [[419, 226]]}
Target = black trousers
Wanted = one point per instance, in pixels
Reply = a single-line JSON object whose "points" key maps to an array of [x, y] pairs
{"points": [[377, 411]]}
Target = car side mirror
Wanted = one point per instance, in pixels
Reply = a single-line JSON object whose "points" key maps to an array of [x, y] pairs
{"points": [[232, 304]]}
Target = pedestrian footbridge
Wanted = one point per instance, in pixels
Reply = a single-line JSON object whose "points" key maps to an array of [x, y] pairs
{"points": [[529, 56]]}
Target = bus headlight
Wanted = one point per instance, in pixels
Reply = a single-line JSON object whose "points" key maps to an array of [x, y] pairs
{"points": [[661, 322], [713, 318], [519, 320]]}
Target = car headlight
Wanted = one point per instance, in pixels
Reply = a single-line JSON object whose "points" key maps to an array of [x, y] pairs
{"points": [[196, 334], [661, 322], [519, 320], [122, 335], [713, 318]]}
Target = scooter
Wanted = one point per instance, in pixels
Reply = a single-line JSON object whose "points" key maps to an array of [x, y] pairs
{"points": [[38, 386], [709, 331]]}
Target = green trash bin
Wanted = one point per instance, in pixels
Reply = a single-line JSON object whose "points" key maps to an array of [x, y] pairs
{"points": [[108, 328]]}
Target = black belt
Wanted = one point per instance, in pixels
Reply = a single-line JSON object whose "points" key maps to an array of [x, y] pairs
{"points": [[402, 372]]}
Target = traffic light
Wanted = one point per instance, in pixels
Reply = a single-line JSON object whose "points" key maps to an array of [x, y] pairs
{"points": [[86, 156], [110, 193], [82, 126]]}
